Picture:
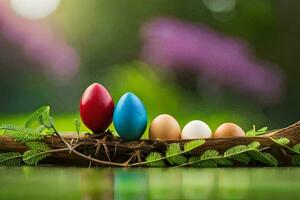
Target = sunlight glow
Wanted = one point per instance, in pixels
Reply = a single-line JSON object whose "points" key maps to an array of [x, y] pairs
{"points": [[34, 9]]}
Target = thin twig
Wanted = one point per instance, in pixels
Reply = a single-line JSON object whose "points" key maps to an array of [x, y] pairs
{"points": [[96, 161]]}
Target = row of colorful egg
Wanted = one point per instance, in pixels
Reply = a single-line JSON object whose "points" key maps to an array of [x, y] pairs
{"points": [[129, 117], [166, 127]]}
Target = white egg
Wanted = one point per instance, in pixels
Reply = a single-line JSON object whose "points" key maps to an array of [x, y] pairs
{"points": [[196, 129]]}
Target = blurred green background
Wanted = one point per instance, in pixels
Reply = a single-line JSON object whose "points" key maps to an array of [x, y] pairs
{"points": [[49, 57]]}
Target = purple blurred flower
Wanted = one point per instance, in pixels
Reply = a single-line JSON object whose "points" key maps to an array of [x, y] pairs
{"points": [[228, 61], [39, 43]]}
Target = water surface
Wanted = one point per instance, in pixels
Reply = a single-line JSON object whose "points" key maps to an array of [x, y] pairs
{"points": [[186, 183]]}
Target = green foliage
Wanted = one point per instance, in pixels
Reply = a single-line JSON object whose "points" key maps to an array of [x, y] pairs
{"points": [[30, 136], [174, 156], [10, 159], [21, 134], [154, 159], [263, 157], [38, 116], [32, 157], [224, 162], [207, 159], [253, 132], [28, 132], [238, 153], [296, 148], [282, 141], [36, 145], [192, 145], [254, 145], [77, 126], [211, 158]]}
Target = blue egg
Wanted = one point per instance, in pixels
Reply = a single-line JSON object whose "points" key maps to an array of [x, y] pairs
{"points": [[130, 117]]}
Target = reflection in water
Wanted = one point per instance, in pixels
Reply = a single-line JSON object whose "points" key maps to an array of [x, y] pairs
{"points": [[130, 184], [198, 184], [96, 184], [122, 184], [233, 185], [164, 184]]}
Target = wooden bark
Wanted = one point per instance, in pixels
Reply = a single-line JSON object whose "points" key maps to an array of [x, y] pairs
{"points": [[107, 147]]}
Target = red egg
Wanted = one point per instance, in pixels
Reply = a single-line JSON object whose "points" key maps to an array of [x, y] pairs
{"points": [[96, 108]]}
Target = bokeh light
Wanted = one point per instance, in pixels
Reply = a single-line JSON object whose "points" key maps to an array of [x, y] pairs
{"points": [[34, 9], [220, 5]]}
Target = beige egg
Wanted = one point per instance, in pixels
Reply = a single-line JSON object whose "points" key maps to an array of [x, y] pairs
{"points": [[164, 127], [229, 130]]}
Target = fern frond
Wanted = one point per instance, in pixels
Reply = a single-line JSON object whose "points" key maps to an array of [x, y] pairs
{"points": [[192, 145], [21, 134], [254, 132], [35, 145], [207, 159], [46, 120], [254, 145], [32, 157], [238, 153], [263, 129], [263, 157], [35, 116], [174, 156], [282, 141], [224, 162], [197, 162], [154, 159], [296, 160], [296, 148], [10, 159]]}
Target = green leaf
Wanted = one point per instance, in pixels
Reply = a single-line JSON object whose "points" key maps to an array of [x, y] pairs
{"points": [[271, 158], [47, 120], [41, 129], [296, 148], [296, 160], [209, 154], [38, 146], [263, 157], [174, 156], [36, 116], [154, 159], [207, 159], [224, 162], [32, 157], [282, 141], [242, 158], [77, 126], [192, 145], [238, 153], [10, 159], [262, 130], [253, 132], [196, 161], [21, 134], [254, 145]]}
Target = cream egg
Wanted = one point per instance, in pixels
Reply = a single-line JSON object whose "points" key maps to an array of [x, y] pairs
{"points": [[164, 127], [196, 129], [229, 130]]}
